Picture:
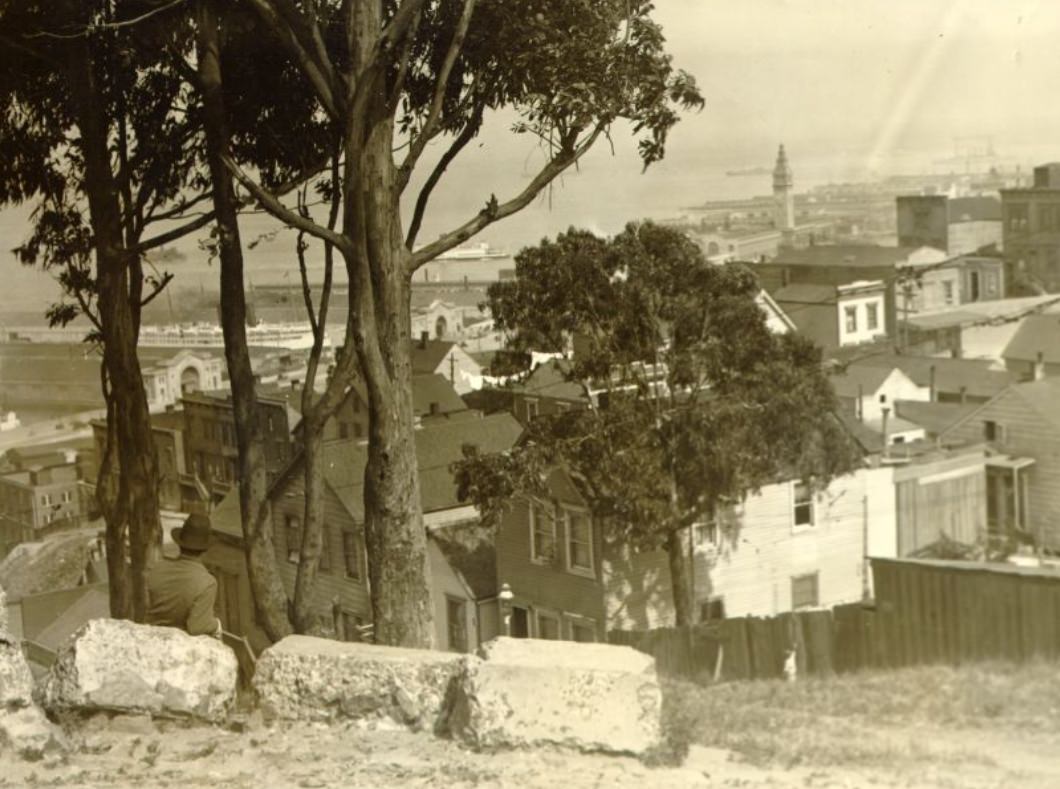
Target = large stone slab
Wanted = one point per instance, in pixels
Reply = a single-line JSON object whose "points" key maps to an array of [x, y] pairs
{"points": [[307, 678], [116, 665], [590, 697]]}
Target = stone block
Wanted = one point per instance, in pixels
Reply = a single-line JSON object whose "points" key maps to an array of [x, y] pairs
{"points": [[119, 666], [588, 697], [316, 679]]}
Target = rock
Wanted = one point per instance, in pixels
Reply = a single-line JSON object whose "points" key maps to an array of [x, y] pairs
{"points": [[590, 697], [316, 679], [16, 681], [116, 665]]}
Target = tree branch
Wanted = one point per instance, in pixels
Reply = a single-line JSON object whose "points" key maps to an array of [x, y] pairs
{"points": [[272, 204], [320, 75], [494, 212], [403, 64], [430, 125], [167, 277], [467, 134]]}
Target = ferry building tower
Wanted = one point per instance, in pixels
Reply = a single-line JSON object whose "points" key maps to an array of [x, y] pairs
{"points": [[783, 194]]}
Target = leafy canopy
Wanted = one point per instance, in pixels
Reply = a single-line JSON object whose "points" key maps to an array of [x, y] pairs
{"points": [[690, 399]]}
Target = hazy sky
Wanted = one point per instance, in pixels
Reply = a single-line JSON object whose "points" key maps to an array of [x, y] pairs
{"points": [[851, 86]]}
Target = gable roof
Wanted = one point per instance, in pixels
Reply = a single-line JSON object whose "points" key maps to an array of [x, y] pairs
{"points": [[861, 379], [976, 376], [935, 418], [427, 356], [434, 388], [1036, 334]]}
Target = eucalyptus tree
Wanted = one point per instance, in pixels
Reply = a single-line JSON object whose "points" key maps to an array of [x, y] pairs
{"points": [[392, 79], [690, 401]]}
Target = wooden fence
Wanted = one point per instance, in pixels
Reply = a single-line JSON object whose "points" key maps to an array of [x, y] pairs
{"points": [[924, 612]]}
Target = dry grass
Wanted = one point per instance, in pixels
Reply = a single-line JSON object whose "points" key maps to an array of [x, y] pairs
{"points": [[870, 719]]}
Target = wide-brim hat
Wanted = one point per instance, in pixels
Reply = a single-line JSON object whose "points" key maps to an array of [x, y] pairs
{"points": [[194, 535]]}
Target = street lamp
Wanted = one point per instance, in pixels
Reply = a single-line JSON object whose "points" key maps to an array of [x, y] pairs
{"points": [[505, 596]]}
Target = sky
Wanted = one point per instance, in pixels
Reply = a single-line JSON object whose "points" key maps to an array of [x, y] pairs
{"points": [[852, 87]]}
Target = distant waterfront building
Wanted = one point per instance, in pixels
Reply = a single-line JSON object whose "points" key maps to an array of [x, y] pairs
{"points": [[1032, 230], [959, 226]]}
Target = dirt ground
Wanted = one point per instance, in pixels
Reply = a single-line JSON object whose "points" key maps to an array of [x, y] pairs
{"points": [[136, 752]]}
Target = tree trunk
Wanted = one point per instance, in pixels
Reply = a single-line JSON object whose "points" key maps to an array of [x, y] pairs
{"points": [[305, 618], [137, 512], [270, 600], [378, 270], [679, 578]]}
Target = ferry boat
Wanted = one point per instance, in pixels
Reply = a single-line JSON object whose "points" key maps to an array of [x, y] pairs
{"points": [[207, 335], [473, 252]]}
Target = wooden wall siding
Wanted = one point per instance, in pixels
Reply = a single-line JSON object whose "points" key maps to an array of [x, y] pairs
{"points": [[753, 567], [954, 507], [550, 586], [1027, 434], [332, 583], [446, 585], [228, 558]]}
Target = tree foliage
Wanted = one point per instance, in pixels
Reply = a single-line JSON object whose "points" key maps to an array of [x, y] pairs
{"points": [[690, 400]]}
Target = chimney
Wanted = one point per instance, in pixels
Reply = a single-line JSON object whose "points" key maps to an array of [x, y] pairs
{"points": [[423, 339], [931, 384], [883, 428], [1039, 367], [859, 408], [964, 390]]}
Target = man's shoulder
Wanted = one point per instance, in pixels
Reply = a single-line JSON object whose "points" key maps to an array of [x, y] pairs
{"points": [[186, 571]]}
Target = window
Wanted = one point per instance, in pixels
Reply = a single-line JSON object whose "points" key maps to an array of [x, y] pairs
{"points": [[531, 409], [804, 591], [542, 533], [872, 316], [852, 319], [947, 292], [456, 624], [582, 630], [351, 552], [883, 398], [712, 610], [293, 529], [579, 541], [547, 625], [344, 430], [66, 497], [802, 505], [993, 431], [707, 535], [46, 500]]}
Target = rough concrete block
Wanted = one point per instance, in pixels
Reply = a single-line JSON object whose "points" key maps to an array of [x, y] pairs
{"points": [[306, 678], [116, 665], [590, 697]]}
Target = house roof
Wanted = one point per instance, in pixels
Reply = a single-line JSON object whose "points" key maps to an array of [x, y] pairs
{"points": [[1036, 334], [433, 388], [935, 418], [861, 380], [852, 255], [437, 447], [57, 562], [871, 441], [167, 420], [91, 602], [977, 377], [549, 379], [974, 209], [471, 551], [427, 357], [225, 517], [805, 293]]}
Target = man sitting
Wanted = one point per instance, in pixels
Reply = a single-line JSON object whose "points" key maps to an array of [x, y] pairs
{"points": [[181, 592]]}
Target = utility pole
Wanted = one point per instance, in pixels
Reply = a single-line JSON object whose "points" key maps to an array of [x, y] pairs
{"points": [[452, 367]]}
